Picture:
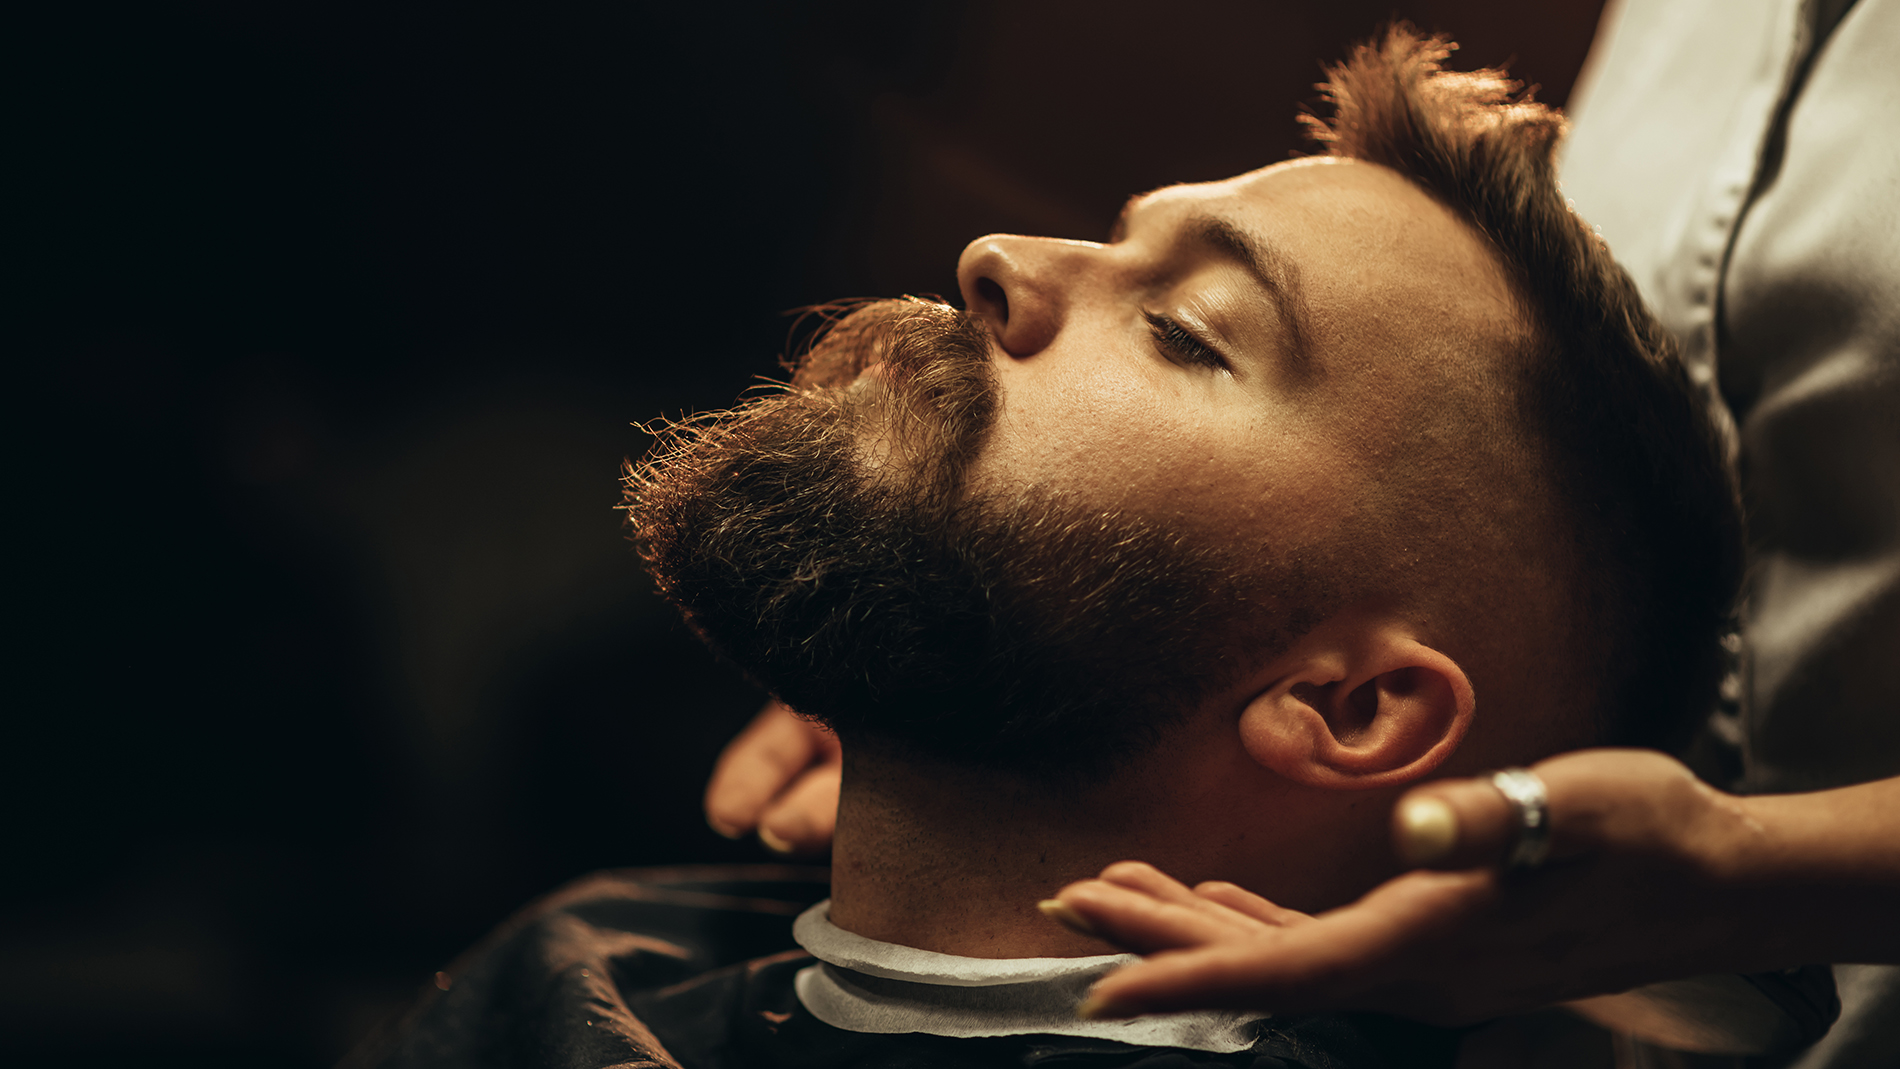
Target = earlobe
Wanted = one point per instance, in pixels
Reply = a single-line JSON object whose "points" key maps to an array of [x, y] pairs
{"points": [[1360, 705]]}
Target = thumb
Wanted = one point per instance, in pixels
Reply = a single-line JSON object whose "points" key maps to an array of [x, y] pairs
{"points": [[1468, 823], [1453, 824], [1597, 798]]}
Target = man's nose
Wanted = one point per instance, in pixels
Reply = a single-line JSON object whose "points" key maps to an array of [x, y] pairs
{"points": [[1023, 286]]}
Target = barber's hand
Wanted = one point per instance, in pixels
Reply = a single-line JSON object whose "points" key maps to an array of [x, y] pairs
{"points": [[1633, 893], [1141, 908], [778, 778]]}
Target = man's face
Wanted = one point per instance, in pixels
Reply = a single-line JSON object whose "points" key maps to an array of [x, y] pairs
{"points": [[1196, 414], [1244, 355]]}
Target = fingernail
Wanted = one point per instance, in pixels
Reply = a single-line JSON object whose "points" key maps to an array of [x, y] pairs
{"points": [[1096, 1008], [773, 842], [1064, 914], [726, 830], [1427, 830]]}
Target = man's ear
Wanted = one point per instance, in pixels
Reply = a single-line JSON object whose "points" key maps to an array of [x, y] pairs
{"points": [[1359, 703]]}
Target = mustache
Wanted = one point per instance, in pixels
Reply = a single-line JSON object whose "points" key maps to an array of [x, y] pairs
{"points": [[933, 378]]}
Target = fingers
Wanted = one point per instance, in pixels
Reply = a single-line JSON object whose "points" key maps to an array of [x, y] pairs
{"points": [[1140, 921], [1241, 900], [1136, 905], [801, 821], [1349, 958], [1143, 877], [759, 765]]}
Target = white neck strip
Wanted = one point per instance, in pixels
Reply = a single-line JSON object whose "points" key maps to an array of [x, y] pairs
{"points": [[863, 985]]}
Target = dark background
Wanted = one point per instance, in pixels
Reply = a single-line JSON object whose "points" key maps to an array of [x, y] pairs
{"points": [[330, 324]]}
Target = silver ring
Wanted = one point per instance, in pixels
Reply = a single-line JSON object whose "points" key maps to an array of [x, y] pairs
{"points": [[1530, 800]]}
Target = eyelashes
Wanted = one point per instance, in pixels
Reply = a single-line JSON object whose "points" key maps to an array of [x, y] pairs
{"points": [[1181, 346]]}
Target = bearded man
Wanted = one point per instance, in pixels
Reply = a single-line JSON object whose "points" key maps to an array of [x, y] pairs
{"points": [[1200, 545]]}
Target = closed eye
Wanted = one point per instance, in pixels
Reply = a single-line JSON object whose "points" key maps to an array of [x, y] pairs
{"points": [[1180, 345]]}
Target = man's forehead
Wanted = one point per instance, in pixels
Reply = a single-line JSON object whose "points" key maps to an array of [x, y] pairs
{"points": [[1364, 224], [1185, 192]]}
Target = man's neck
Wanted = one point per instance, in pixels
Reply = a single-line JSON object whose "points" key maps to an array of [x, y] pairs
{"points": [[955, 861], [907, 871]]}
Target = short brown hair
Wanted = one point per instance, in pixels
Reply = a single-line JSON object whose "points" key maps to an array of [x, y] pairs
{"points": [[1636, 461]]}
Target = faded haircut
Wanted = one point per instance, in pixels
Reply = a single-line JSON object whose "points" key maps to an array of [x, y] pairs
{"points": [[1636, 462]]}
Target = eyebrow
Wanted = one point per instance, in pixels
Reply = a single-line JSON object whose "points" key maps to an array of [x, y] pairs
{"points": [[1270, 266]]}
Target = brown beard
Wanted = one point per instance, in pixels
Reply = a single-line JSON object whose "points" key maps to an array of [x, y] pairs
{"points": [[933, 393], [874, 594]]}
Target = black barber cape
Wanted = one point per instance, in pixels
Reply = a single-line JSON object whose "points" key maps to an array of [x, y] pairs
{"points": [[692, 968]]}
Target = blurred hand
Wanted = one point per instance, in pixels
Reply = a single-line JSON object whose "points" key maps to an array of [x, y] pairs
{"points": [[778, 778], [1635, 891]]}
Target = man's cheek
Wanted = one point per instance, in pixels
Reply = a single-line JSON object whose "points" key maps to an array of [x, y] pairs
{"points": [[1086, 430]]}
